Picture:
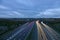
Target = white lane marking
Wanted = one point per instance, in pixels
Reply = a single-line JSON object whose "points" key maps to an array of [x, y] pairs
{"points": [[15, 34], [41, 31], [47, 31]]}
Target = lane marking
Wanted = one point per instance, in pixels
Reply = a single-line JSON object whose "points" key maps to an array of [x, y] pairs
{"points": [[52, 32], [41, 32]]}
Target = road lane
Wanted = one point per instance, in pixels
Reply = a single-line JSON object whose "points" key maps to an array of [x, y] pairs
{"points": [[41, 34], [47, 33], [23, 34], [54, 35], [13, 32], [33, 34]]}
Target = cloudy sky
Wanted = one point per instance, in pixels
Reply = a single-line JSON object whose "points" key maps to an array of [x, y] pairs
{"points": [[29, 8]]}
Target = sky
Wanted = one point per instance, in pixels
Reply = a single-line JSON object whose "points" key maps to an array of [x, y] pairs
{"points": [[29, 8]]}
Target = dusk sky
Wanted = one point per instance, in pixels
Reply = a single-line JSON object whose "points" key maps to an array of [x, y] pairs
{"points": [[29, 8]]}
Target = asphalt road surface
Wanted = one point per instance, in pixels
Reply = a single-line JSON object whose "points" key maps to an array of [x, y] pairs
{"points": [[32, 31]]}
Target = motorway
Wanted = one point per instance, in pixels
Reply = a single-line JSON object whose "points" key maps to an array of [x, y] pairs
{"points": [[32, 31]]}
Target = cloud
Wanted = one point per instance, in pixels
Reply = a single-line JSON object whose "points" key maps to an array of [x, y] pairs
{"points": [[3, 7], [49, 13], [26, 2], [30, 8], [11, 14], [17, 14]]}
